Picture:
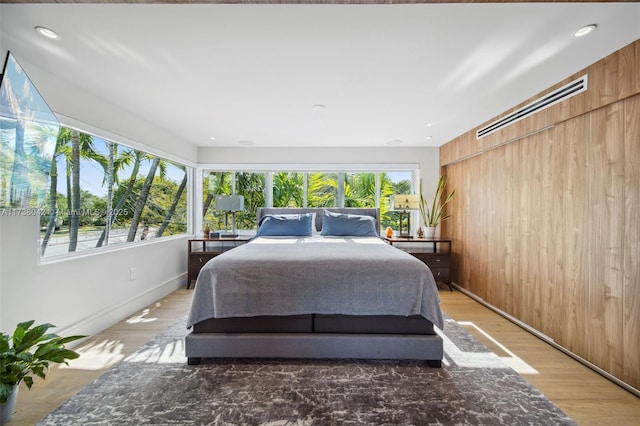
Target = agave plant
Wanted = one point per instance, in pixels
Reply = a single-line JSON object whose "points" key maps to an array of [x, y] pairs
{"points": [[431, 217], [18, 362]]}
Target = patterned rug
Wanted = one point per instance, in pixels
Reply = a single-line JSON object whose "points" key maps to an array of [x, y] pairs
{"points": [[155, 386]]}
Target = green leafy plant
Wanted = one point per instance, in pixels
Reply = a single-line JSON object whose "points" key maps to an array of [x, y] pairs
{"points": [[431, 217], [18, 362]]}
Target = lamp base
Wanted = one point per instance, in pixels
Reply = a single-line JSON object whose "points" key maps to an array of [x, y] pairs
{"points": [[404, 228]]}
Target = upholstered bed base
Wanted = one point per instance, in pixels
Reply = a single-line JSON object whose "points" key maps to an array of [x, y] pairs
{"points": [[316, 336], [314, 345]]}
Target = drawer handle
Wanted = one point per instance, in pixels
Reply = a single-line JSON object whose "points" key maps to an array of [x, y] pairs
{"points": [[437, 260]]}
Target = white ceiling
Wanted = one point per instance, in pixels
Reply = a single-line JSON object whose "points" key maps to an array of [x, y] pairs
{"points": [[251, 74]]}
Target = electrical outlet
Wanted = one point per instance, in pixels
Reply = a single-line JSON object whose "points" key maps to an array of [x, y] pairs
{"points": [[132, 274]]}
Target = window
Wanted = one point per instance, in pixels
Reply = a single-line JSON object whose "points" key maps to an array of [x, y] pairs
{"points": [[280, 188], [397, 182], [88, 192], [102, 193], [28, 132]]}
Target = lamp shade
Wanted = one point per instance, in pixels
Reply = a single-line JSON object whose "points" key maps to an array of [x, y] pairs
{"points": [[229, 203], [405, 202]]}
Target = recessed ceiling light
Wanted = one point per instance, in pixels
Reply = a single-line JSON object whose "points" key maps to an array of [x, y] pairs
{"points": [[395, 142], [213, 138], [46, 32], [318, 107], [585, 30], [429, 124], [428, 137]]}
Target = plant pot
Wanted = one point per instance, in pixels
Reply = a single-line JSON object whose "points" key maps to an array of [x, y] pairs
{"points": [[7, 408], [429, 232]]}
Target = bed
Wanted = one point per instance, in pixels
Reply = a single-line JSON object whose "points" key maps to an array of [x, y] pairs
{"points": [[315, 294]]}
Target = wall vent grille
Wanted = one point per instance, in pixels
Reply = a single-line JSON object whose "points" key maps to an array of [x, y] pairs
{"points": [[558, 95]]}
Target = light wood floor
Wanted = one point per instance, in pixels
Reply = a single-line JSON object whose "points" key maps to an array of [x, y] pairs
{"points": [[587, 397]]}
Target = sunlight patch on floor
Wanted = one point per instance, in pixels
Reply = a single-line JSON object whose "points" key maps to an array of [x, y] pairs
{"points": [[515, 362], [140, 318], [97, 356], [454, 355], [170, 353]]}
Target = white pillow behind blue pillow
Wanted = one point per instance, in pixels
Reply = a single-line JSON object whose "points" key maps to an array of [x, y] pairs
{"points": [[348, 225], [286, 225]]}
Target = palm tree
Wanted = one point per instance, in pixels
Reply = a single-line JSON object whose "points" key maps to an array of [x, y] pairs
{"points": [[387, 189], [174, 204], [81, 146], [74, 196], [61, 148], [109, 177], [322, 189], [142, 198], [360, 190], [218, 185], [20, 190], [73, 145], [122, 161]]}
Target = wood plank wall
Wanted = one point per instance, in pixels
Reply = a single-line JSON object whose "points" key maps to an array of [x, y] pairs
{"points": [[546, 218]]}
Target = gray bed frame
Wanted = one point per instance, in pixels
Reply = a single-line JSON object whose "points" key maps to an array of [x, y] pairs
{"points": [[316, 336]]}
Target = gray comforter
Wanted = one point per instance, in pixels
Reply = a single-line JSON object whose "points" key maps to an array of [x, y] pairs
{"points": [[315, 275]]}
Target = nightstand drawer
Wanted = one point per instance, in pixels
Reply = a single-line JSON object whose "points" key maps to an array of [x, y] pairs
{"points": [[433, 252], [441, 274], [433, 260], [197, 260]]}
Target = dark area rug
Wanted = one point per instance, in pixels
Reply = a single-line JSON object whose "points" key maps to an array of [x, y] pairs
{"points": [[155, 386]]}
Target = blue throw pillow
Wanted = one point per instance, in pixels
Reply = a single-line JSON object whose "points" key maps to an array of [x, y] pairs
{"points": [[285, 225], [351, 225]]}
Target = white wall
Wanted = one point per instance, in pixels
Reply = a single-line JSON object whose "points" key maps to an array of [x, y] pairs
{"points": [[427, 158], [82, 295]]}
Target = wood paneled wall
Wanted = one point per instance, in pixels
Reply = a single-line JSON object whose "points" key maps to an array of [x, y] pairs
{"points": [[546, 217]]}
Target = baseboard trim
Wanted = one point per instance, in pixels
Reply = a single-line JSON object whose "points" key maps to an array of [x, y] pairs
{"points": [[107, 317], [548, 340]]}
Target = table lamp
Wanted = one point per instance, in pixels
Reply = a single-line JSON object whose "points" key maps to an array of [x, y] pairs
{"points": [[226, 204], [403, 203]]}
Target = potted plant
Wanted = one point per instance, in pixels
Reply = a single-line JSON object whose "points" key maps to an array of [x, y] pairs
{"points": [[431, 217], [20, 362]]}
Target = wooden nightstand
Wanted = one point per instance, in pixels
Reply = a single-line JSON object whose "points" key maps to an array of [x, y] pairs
{"points": [[201, 251], [434, 252]]}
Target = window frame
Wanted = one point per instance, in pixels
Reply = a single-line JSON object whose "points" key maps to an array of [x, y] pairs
{"points": [[269, 169], [190, 168]]}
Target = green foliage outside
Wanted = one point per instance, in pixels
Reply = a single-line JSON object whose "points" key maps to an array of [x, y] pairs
{"points": [[288, 191], [322, 190]]}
